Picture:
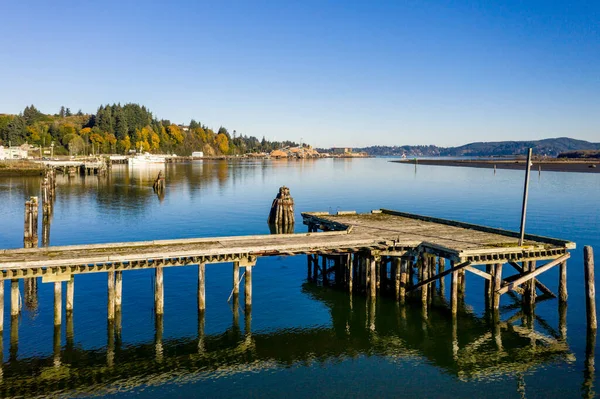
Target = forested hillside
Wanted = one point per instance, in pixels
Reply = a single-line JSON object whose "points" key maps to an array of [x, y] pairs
{"points": [[547, 147], [118, 129]]}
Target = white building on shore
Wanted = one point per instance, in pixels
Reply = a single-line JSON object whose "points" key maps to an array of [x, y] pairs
{"points": [[13, 152]]}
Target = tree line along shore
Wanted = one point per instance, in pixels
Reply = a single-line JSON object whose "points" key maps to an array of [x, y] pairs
{"points": [[118, 129]]}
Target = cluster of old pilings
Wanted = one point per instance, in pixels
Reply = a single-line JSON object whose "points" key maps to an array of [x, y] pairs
{"points": [[282, 210], [30, 228], [412, 276]]}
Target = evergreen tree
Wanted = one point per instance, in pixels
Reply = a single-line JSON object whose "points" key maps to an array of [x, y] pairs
{"points": [[68, 112], [121, 129], [61, 113]]}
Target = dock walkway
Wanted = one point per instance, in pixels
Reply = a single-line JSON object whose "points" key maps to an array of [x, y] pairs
{"points": [[382, 252]]}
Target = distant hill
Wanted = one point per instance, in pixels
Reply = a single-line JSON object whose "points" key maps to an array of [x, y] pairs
{"points": [[547, 147]]}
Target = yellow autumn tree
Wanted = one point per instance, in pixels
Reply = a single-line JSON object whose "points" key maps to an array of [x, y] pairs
{"points": [[124, 145], [222, 143], [154, 141], [175, 134]]}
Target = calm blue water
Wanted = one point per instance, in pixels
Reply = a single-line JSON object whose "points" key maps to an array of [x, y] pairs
{"points": [[304, 341]]}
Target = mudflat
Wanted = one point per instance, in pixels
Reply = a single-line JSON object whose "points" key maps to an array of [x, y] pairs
{"points": [[555, 165]]}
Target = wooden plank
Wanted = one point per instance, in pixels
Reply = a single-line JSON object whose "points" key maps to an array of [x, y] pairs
{"points": [[508, 233], [440, 275], [532, 274]]}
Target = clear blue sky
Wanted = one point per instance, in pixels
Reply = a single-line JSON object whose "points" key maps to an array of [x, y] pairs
{"points": [[329, 72]]}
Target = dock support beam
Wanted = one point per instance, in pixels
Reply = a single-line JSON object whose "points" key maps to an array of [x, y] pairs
{"points": [[201, 287], [159, 292], [70, 294], [57, 303], [111, 296], [15, 306]]}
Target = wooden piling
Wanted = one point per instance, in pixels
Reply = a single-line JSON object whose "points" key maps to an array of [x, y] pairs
{"points": [[70, 294], [282, 208], [562, 282], [531, 285], [589, 371], [111, 296], [373, 277], [454, 290], [497, 276], [441, 269], [15, 298], [159, 292], [590, 287], [350, 265], [236, 278], [248, 287], [397, 268], [118, 290], [30, 227], [58, 303], [403, 279], [424, 276], [201, 288]]}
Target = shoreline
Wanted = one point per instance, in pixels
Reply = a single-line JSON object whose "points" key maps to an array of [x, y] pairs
{"points": [[515, 164]]}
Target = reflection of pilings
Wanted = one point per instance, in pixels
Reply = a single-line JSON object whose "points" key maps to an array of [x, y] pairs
{"points": [[56, 345], [14, 337], [235, 305], [110, 344], [158, 337], [31, 293], [562, 320], [201, 322], [589, 371], [248, 321], [70, 331]]}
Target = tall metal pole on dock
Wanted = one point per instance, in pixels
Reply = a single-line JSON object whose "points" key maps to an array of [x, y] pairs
{"points": [[525, 195]]}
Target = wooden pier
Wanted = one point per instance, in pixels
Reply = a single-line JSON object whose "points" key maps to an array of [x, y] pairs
{"points": [[381, 253]]}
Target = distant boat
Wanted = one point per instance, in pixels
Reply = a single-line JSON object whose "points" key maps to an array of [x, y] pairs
{"points": [[146, 159]]}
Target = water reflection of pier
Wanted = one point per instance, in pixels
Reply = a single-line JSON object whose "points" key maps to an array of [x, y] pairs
{"points": [[473, 349]]}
